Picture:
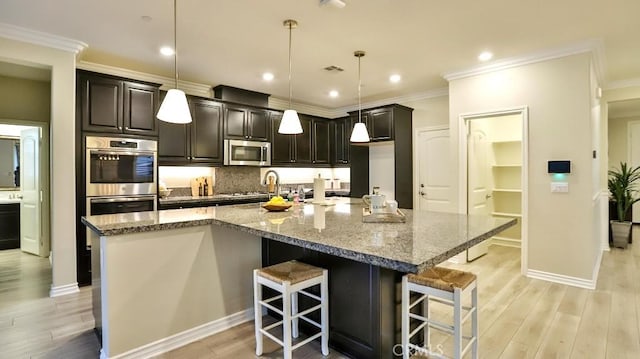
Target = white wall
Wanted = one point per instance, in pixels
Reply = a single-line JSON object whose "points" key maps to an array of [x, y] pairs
{"points": [[557, 93], [382, 169], [62, 120]]}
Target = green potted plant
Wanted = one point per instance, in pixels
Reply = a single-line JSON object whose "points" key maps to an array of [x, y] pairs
{"points": [[622, 186]]}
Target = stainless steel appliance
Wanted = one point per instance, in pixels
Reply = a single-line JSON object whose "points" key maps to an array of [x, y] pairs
{"points": [[120, 166], [247, 153]]}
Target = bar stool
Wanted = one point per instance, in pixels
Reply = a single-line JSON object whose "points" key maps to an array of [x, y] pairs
{"points": [[289, 279], [445, 286]]}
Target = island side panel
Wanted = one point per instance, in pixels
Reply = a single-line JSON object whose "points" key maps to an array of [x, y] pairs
{"points": [[363, 310], [158, 284]]}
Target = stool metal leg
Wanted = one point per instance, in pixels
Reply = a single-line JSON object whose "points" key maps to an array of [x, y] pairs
{"points": [[457, 324], [474, 322], [294, 311], [257, 308], [324, 312], [286, 321], [405, 319]]}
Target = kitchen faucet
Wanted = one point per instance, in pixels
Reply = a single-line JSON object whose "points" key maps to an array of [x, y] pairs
{"points": [[277, 184]]}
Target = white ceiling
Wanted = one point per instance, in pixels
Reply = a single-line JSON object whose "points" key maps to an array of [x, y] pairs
{"points": [[234, 42]]}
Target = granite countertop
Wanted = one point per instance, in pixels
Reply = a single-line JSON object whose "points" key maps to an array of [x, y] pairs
{"points": [[218, 198], [9, 200], [426, 239]]}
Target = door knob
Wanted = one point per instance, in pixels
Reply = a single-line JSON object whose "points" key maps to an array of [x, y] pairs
{"points": [[422, 193], [487, 196]]}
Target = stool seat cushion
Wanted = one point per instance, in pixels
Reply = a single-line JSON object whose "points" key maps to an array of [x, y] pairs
{"points": [[291, 271], [443, 278]]}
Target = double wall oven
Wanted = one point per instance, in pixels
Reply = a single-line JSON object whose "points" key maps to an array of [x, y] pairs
{"points": [[121, 175]]}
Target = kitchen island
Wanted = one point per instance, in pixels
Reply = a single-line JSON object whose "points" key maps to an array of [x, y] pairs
{"points": [[165, 276]]}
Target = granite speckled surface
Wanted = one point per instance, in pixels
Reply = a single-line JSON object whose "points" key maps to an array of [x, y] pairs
{"points": [[426, 239], [213, 200]]}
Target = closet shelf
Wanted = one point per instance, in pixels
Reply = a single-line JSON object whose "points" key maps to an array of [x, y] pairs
{"points": [[511, 190], [506, 142], [507, 214]]}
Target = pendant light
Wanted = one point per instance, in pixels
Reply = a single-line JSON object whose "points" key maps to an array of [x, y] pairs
{"points": [[290, 124], [174, 107], [359, 133]]}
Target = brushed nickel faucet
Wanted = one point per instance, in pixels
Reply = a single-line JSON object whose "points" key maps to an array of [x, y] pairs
{"points": [[276, 191]]}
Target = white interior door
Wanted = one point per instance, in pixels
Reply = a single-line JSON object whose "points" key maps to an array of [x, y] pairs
{"points": [[30, 206], [478, 171], [434, 171], [479, 181], [634, 159]]}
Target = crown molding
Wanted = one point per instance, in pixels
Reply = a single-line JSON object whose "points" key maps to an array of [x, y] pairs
{"points": [[441, 92], [283, 104], [191, 88], [595, 46], [614, 85], [41, 38]]}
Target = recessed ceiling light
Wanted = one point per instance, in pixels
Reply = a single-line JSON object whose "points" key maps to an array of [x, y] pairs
{"points": [[334, 93], [167, 51], [485, 56], [146, 18], [267, 76], [395, 78]]}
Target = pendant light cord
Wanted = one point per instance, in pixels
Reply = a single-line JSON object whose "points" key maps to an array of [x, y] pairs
{"points": [[359, 90], [290, 91], [175, 42]]}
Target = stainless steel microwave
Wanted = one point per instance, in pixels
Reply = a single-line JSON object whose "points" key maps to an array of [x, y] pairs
{"points": [[247, 153]]}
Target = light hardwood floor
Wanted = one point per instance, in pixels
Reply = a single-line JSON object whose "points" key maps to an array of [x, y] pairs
{"points": [[519, 317]]}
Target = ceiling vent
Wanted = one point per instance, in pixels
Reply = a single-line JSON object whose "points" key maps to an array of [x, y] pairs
{"points": [[333, 68]]}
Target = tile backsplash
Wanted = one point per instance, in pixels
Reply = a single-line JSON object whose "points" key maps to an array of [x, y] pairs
{"points": [[238, 179]]}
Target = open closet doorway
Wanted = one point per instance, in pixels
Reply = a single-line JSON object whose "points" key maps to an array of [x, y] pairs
{"points": [[494, 174], [624, 139]]}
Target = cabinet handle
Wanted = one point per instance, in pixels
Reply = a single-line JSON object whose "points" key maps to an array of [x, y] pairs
{"points": [[126, 128], [120, 128]]}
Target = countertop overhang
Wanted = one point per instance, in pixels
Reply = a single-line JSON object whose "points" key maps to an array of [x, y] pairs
{"points": [[425, 240]]}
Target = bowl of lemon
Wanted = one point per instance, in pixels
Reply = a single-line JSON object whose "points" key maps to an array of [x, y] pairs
{"points": [[276, 204]]}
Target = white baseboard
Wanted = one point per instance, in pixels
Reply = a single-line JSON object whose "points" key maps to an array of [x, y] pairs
{"points": [[64, 289], [596, 269], [188, 336], [562, 279]]}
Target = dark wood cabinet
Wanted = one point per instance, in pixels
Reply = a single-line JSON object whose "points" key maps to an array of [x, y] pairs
{"points": [[339, 136], [363, 315], [10, 226], [199, 142], [206, 131], [386, 123], [303, 148], [246, 123], [311, 147], [113, 105], [281, 145], [321, 142]]}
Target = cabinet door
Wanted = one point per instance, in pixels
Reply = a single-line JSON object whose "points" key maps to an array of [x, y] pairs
{"points": [[235, 119], [339, 137], [101, 104], [206, 132], [140, 104], [281, 145], [258, 125], [173, 142], [380, 124], [303, 149], [321, 149]]}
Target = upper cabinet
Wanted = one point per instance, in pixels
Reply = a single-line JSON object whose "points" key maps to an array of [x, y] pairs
{"points": [[247, 123], [113, 105], [339, 144], [379, 122], [311, 147], [199, 142]]}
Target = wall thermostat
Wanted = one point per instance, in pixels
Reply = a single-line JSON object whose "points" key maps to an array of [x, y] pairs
{"points": [[559, 167]]}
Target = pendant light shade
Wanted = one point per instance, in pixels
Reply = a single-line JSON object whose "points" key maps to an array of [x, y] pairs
{"points": [[174, 107], [290, 124], [359, 133]]}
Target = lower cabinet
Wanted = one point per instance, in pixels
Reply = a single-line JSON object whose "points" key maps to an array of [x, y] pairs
{"points": [[363, 309], [10, 226]]}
